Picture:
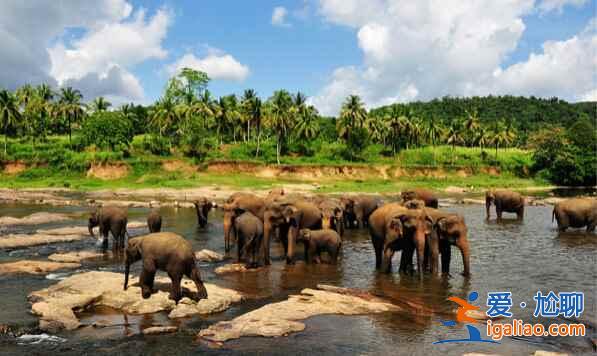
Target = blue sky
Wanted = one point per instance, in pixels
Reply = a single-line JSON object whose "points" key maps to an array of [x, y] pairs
{"points": [[383, 50]]}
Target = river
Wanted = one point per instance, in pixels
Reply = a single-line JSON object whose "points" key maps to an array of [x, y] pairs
{"points": [[510, 256]]}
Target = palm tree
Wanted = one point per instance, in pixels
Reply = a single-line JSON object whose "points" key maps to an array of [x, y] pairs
{"points": [[433, 131], [307, 126], [353, 115], [70, 106], [470, 126], [377, 129], [501, 136], [454, 137], [164, 115], [100, 104], [280, 117], [9, 112], [248, 103]]}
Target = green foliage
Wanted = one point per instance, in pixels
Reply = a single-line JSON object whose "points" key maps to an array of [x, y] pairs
{"points": [[157, 145], [106, 129]]}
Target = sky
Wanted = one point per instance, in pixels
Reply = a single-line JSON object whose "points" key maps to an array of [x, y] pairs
{"points": [[386, 51]]}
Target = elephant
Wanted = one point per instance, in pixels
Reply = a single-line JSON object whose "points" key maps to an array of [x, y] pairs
{"points": [[425, 195], [448, 229], [414, 204], [110, 219], [154, 221], [249, 232], [289, 217], [332, 215], [318, 241], [244, 201], [576, 213], [203, 206], [504, 200], [392, 228], [164, 251], [358, 209]]}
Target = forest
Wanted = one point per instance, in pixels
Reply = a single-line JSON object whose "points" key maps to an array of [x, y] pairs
{"points": [[188, 121]]}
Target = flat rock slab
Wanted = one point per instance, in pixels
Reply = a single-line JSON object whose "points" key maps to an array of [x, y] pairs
{"points": [[34, 267], [283, 318], [56, 305], [33, 219], [75, 256], [235, 267], [155, 330], [208, 256]]}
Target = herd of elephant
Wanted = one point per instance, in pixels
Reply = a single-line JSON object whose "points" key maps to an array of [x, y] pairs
{"points": [[413, 225]]}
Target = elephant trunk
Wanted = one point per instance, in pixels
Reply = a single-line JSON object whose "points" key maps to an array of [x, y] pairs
{"points": [[91, 230], [227, 231], [465, 251], [127, 268], [267, 230], [386, 261], [292, 236]]}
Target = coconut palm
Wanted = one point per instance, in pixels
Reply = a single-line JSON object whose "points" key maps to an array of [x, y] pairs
{"points": [[70, 106], [100, 104], [377, 129], [280, 118], [164, 115], [353, 115], [470, 126], [454, 137], [9, 112], [307, 126], [433, 132], [247, 106]]}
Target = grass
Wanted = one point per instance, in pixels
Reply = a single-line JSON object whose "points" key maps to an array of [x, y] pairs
{"points": [[54, 164]]}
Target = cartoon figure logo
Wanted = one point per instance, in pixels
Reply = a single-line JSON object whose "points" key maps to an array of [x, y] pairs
{"points": [[473, 333]]}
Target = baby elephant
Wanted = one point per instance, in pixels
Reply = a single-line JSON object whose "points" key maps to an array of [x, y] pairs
{"points": [[154, 221], [249, 232], [164, 251], [318, 241]]}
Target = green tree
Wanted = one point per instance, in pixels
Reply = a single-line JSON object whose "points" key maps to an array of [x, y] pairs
{"points": [[307, 124], [351, 125], [70, 107], [100, 104], [186, 86], [106, 129], [433, 132], [9, 112], [280, 118], [164, 117]]}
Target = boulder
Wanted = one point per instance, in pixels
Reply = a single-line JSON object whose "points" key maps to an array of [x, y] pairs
{"points": [[155, 330], [208, 256], [235, 267], [455, 190], [34, 267], [33, 219], [74, 256], [283, 318], [56, 304]]}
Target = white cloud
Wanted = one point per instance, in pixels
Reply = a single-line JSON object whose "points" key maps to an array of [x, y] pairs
{"points": [[36, 48], [558, 5], [279, 16], [216, 64], [419, 50]]}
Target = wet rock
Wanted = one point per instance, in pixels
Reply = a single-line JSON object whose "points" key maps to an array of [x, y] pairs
{"points": [[34, 267], [472, 201], [154, 330], [455, 190], [549, 353], [36, 339], [283, 318], [33, 219], [553, 200], [75, 256], [235, 267], [56, 304], [208, 256], [23, 240]]}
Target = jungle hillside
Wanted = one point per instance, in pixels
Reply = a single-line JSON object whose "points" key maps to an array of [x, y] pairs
{"points": [[54, 137]]}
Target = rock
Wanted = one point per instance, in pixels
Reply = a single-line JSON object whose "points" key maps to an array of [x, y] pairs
{"points": [[472, 201], [549, 353], [154, 330], [208, 256], [56, 303], [34, 267], [479, 354], [235, 267], [553, 200], [455, 190], [75, 256], [24, 240], [33, 219], [36, 339], [282, 318]]}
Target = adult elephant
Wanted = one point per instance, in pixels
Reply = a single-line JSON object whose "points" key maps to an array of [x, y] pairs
{"points": [[576, 213], [504, 201], [332, 215], [110, 219], [357, 209], [164, 251], [248, 230], [394, 227], [245, 202], [425, 195], [289, 217], [203, 206], [448, 229]]}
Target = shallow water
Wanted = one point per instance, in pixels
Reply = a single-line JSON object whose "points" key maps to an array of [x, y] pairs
{"points": [[510, 256]]}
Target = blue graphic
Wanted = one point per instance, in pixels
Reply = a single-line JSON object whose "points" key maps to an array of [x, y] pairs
{"points": [[572, 304], [547, 305], [499, 304]]}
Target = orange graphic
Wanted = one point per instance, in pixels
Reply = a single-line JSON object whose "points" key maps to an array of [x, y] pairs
{"points": [[465, 306]]}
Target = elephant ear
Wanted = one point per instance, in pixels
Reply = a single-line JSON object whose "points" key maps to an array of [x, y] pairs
{"points": [[396, 225], [442, 224], [337, 212]]}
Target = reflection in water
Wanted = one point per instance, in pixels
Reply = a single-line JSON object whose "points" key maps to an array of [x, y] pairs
{"points": [[521, 257]]}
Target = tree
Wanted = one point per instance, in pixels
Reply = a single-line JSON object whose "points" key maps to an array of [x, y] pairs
{"points": [[280, 118], [247, 109], [350, 125], [164, 117], [186, 86], [307, 125], [433, 132], [454, 137], [470, 126], [71, 108], [9, 112], [107, 130], [100, 104]]}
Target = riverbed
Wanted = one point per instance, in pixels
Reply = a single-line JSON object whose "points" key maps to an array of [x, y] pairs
{"points": [[521, 257]]}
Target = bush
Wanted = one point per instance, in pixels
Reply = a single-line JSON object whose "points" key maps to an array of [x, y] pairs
{"points": [[156, 145], [107, 129]]}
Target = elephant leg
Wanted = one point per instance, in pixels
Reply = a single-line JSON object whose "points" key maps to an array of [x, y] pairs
{"points": [[446, 252], [406, 258], [433, 248], [378, 254], [147, 276], [175, 293], [240, 244], [388, 253], [520, 213], [498, 212], [591, 226], [196, 277], [334, 254], [307, 251], [420, 248]]}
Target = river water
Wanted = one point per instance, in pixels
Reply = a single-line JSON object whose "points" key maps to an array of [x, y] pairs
{"points": [[510, 256]]}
